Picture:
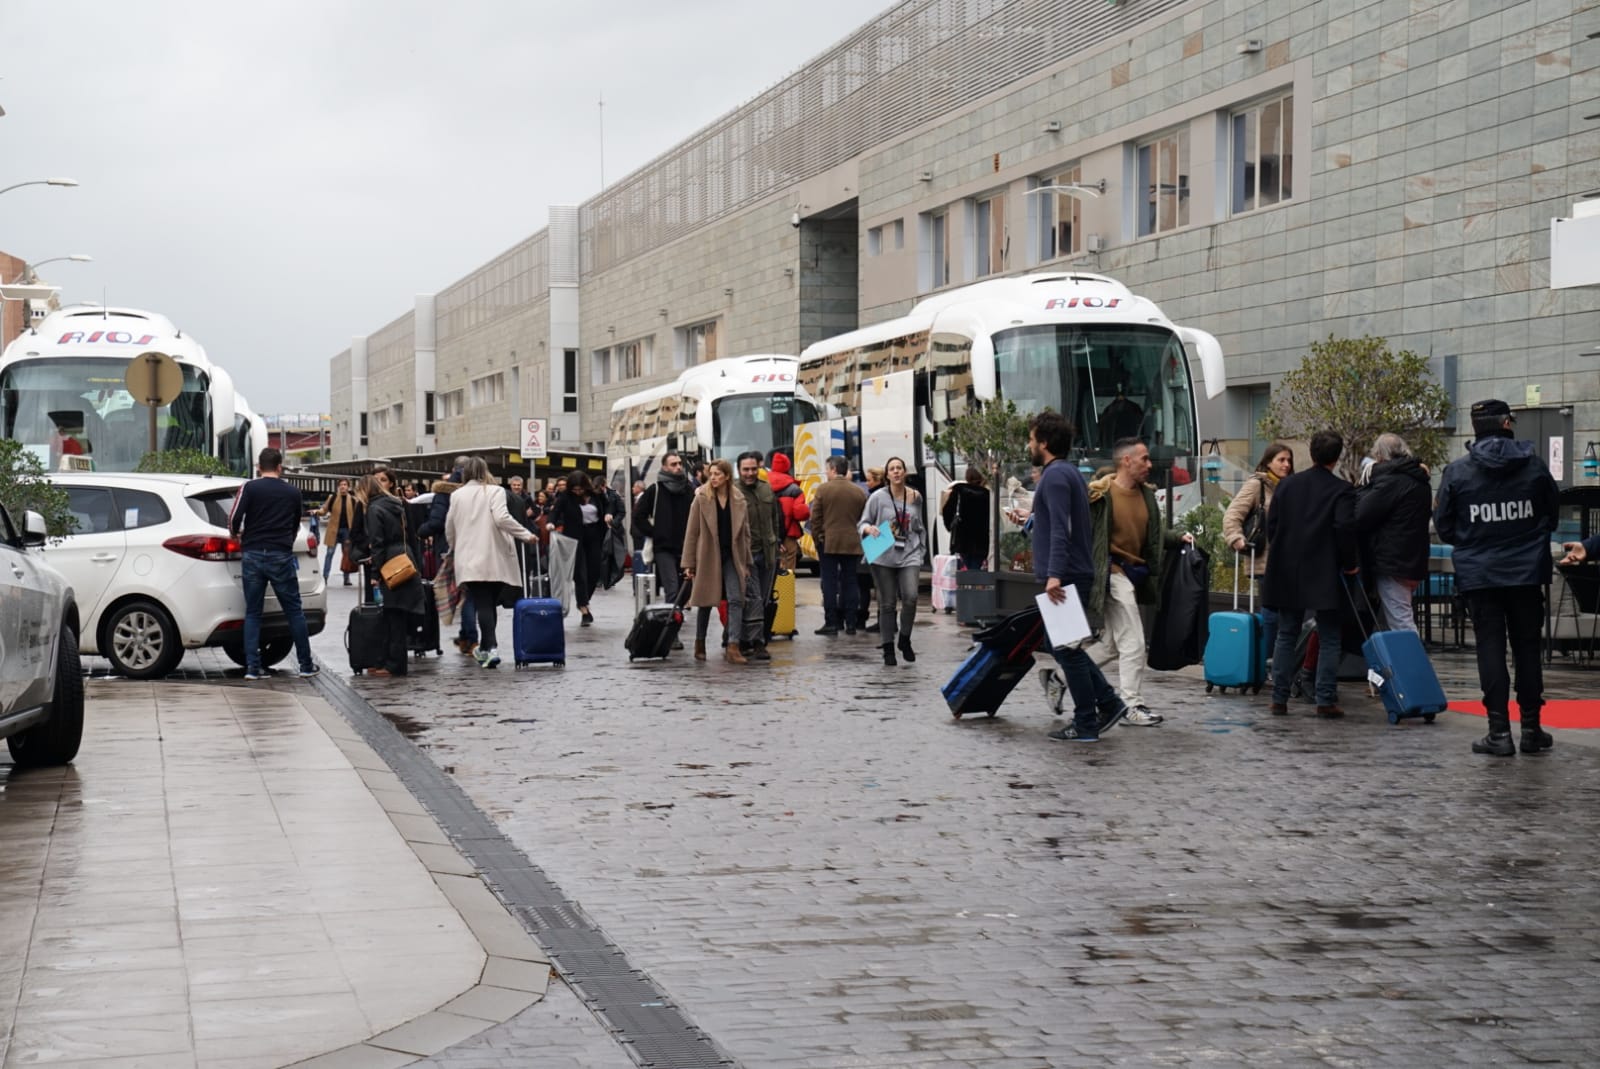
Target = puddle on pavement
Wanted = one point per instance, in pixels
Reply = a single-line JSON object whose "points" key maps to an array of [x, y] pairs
{"points": [[406, 725], [1357, 921]]}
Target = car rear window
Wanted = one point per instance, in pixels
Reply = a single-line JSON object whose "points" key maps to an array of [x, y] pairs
{"points": [[213, 506]]}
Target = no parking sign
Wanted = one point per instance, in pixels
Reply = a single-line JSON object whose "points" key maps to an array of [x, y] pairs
{"points": [[532, 438]]}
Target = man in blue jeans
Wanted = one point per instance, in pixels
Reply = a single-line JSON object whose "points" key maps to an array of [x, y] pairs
{"points": [[1063, 555], [266, 517]]}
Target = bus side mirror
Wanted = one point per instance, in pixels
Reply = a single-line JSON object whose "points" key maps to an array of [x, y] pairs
{"points": [[224, 406]]}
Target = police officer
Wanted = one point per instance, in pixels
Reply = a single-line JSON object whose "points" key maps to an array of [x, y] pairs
{"points": [[1497, 506]]}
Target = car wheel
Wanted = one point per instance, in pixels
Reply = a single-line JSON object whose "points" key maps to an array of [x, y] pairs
{"points": [[142, 641], [55, 741], [275, 650]]}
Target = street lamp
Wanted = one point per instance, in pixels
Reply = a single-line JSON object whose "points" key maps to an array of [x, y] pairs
{"points": [[30, 272], [42, 182]]}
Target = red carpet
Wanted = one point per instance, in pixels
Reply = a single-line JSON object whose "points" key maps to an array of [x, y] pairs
{"points": [[1557, 714]]}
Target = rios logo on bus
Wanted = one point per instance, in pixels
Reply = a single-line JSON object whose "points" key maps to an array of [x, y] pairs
{"points": [[1057, 303], [774, 376], [114, 337]]}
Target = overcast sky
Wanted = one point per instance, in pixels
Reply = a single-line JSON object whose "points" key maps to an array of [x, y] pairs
{"points": [[279, 177]]}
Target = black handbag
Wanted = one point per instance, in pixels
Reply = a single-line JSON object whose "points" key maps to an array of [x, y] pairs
{"points": [[1254, 528], [1179, 637]]}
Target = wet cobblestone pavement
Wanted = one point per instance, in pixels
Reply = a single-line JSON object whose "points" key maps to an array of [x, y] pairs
{"points": [[823, 868]]}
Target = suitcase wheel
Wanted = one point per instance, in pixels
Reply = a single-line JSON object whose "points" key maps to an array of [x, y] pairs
{"points": [[1256, 689], [1394, 717], [994, 714], [956, 715], [1427, 718], [1209, 688]]}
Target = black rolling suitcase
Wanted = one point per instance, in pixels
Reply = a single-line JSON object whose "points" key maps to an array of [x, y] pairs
{"points": [[655, 629], [423, 635], [364, 636], [1003, 655]]}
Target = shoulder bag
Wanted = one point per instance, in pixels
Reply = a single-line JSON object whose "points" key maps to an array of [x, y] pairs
{"points": [[1254, 528], [399, 570]]}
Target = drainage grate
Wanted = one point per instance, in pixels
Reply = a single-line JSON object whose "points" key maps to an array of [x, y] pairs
{"points": [[654, 1031]]}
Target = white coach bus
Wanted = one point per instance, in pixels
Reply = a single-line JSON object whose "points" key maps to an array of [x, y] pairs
{"points": [[63, 394], [1081, 344], [718, 409]]}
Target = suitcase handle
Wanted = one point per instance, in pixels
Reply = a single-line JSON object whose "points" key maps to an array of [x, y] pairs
{"points": [[1353, 582], [1236, 556]]}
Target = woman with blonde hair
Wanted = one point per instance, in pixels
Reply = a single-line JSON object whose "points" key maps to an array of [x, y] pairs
{"points": [[386, 539], [717, 558], [483, 534]]}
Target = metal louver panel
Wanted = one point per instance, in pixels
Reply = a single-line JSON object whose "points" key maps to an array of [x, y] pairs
{"points": [[563, 231], [915, 62]]}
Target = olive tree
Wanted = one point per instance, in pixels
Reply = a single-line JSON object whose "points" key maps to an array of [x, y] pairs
{"points": [[23, 486], [991, 437], [1360, 388]]}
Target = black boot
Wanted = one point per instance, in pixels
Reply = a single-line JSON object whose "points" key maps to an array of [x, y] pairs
{"points": [[888, 653], [1498, 742], [1533, 739], [905, 649]]}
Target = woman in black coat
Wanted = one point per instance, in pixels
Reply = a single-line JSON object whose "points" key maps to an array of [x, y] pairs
{"points": [[966, 517], [387, 536], [1392, 515], [580, 513]]}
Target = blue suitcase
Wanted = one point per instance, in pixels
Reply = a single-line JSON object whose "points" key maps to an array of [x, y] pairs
{"points": [[1004, 655], [538, 631], [1235, 654], [1410, 685]]}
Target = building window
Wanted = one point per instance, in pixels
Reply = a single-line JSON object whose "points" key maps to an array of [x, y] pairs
{"points": [[935, 267], [633, 359], [696, 344], [897, 234], [452, 404], [363, 428], [1164, 178], [875, 241], [600, 367], [380, 420], [489, 390], [993, 243], [397, 415], [1060, 216], [569, 380], [1263, 154], [429, 410]]}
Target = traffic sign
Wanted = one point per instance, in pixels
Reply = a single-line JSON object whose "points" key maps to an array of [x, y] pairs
{"points": [[153, 379], [532, 438]]}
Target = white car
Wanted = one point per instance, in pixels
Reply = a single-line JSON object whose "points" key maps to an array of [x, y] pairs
{"points": [[41, 678], [156, 571]]}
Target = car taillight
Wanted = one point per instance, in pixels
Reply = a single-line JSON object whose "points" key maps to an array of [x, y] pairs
{"points": [[311, 545], [206, 547]]}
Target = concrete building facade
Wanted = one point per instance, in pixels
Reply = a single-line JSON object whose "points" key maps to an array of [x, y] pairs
{"points": [[1272, 174]]}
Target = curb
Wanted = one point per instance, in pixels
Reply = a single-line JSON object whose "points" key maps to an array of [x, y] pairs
{"points": [[516, 972]]}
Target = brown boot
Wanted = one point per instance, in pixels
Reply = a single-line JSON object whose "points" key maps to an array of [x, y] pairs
{"points": [[731, 652], [699, 649]]}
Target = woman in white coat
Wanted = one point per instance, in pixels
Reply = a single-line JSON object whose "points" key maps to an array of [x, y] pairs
{"points": [[482, 535]]}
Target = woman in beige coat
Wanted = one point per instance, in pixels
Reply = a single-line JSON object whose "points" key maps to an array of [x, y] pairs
{"points": [[717, 558], [1277, 463], [482, 535]]}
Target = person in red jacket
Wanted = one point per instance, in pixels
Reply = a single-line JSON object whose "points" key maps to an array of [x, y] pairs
{"points": [[792, 502]]}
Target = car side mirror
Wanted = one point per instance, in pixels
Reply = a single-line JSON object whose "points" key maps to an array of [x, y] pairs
{"points": [[33, 529]]}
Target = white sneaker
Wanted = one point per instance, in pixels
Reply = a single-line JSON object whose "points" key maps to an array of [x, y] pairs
{"points": [[1139, 716], [1054, 689]]}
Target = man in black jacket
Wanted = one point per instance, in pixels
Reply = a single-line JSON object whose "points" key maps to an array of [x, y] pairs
{"points": [[662, 515], [1312, 530], [1498, 506], [266, 515]]}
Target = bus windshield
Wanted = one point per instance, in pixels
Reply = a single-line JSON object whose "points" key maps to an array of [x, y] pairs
{"points": [[762, 422], [1113, 381], [61, 407]]}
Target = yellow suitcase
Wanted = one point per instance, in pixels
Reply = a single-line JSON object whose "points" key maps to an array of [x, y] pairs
{"points": [[783, 607]]}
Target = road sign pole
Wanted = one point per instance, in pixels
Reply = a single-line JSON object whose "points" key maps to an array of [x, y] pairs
{"points": [[152, 394]]}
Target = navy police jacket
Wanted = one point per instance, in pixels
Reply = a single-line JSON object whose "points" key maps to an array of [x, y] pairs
{"points": [[1497, 507]]}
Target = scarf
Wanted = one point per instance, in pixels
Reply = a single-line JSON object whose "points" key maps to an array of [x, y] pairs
{"points": [[1271, 478], [673, 482]]}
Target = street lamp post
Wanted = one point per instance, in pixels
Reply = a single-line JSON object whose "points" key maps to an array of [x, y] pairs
{"points": [[30, 272], [42, 182]]}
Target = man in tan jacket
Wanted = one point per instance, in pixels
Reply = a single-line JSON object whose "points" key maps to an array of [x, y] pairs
{"points": [[835, 513]]}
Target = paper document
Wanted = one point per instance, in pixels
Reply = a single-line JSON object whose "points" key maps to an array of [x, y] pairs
{"points": [[874, 546], [1064, 622]]}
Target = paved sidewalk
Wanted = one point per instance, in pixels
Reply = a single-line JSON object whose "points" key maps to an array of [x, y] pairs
{"points": [[824, 869], [224, 879]]}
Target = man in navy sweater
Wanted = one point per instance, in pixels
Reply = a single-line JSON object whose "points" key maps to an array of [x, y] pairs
{"points": [[1062, 556], [266, 516]]}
